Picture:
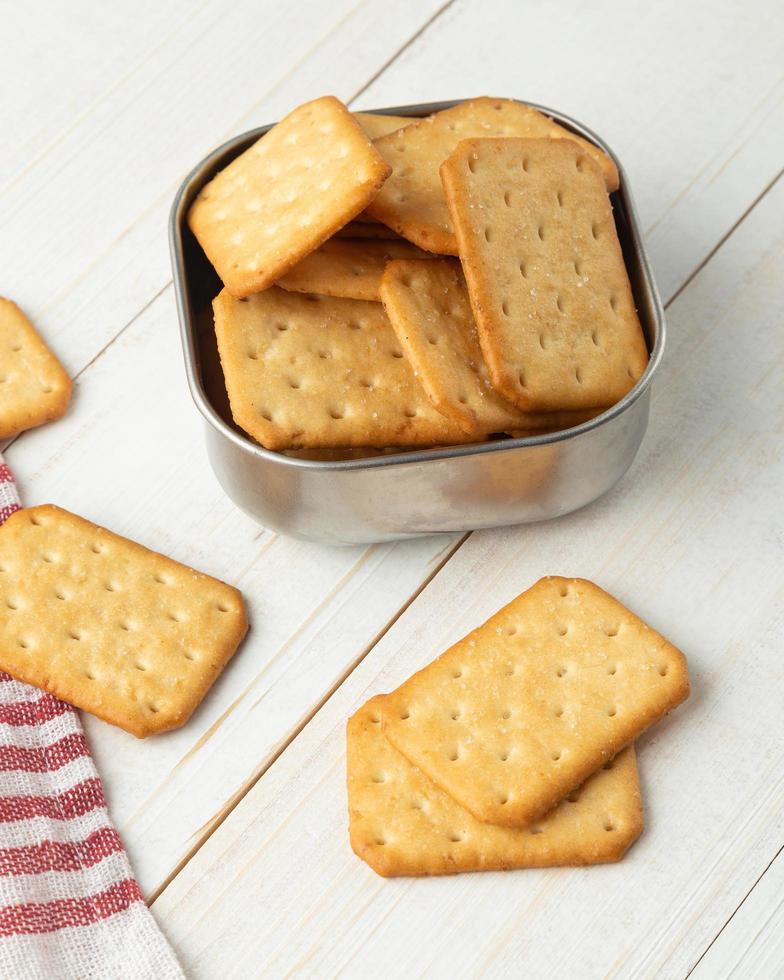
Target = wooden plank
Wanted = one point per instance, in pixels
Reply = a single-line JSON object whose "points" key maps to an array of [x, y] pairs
{"points": [[752, 943], [689, 540], [61, 60], [698, 134]]}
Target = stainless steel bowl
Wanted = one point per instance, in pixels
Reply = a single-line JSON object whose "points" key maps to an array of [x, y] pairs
{"points": [[511, 481]]}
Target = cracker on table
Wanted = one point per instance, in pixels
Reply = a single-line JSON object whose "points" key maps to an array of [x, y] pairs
{"points": [[545, 273], [377, 124], [109, 626], [286, 194], [351, 269], [306, 371], [521, 711], [34, 388], [427, 305], [412, 199], [401, 823]]}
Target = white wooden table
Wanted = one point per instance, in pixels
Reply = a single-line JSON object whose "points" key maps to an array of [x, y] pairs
{"points": [[236, 824]]}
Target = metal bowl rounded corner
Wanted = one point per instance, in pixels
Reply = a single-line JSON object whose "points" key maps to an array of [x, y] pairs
{"points": [[414, 493]]}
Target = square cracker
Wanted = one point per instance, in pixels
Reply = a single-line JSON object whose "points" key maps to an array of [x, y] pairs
{"points": [[412, 200], [545, 273], [521, 711], [427, 305], [34, 388], [286, 194], [109, 626], [351, 269], [401, 823], [307, 371]]}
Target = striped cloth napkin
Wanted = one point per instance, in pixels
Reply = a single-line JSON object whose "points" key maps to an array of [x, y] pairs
{"points": [[69, 903]]}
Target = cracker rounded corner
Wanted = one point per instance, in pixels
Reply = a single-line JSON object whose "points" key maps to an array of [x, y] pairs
{"points": [[616, 842], [232, 602], [37, 515], [373, 854]]}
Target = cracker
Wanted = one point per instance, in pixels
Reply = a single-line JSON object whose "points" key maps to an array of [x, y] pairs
{"points": [[352, 269], [109, 626], [545, 273], [401, 823], [377, 124], [427, 305], [367, 229], [412, 200], [34, 388], [307, 371], [286, 194], [520, 712]]}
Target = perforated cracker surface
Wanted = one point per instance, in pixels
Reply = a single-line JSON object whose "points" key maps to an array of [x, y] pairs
{"points": [[412, 199], [521, 711], [427, 304], [109, 626], [545, 273], [286, 194], [34, 388], [401, 823], [307, 371], [351, 269]]}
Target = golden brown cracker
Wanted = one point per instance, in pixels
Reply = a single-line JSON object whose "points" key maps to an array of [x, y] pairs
{"points": [[351, 269], [286, 194], [412, 199], [427, 305], [34, 388], [109, 626], [545, 274], [521, 711], [401, 823], [307, 371]]}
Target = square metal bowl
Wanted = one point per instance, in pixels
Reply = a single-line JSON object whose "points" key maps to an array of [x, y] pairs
{"points": [[380, 498]]}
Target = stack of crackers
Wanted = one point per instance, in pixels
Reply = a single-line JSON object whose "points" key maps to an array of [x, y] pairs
{"points": [[514, 749], [396, 282]]}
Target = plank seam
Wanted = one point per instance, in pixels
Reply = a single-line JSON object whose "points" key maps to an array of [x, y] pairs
{"points": [[740, 905]]}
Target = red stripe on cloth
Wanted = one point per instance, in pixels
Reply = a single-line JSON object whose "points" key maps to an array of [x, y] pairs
{"points": [[6, 476], [37, 917], [49, 855], [5, 512], [50, 758], [75, 802], [32, 712]]}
